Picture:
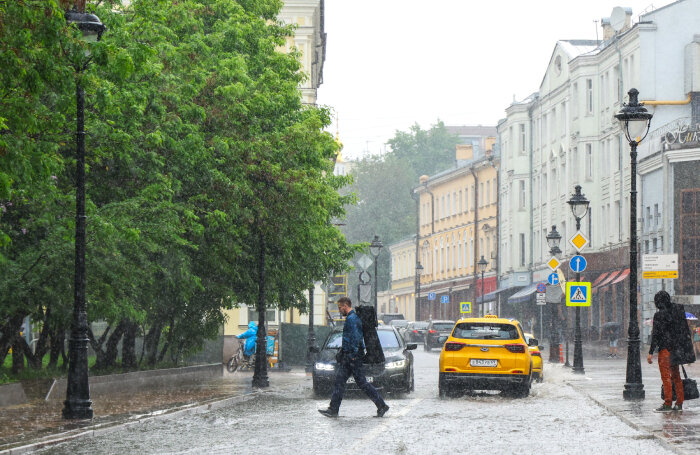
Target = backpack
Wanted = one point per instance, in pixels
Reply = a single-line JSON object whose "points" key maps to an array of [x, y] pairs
{"points": [[373, 349]]}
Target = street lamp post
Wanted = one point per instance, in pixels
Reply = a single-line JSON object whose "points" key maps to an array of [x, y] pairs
{"points": [[553, 239], [311, 335], [419, 272], [375, 248], [579, 208], [78, 404], [482, 268], [635, 122]]}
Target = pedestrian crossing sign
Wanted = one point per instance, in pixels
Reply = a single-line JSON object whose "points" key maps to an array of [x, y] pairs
{"points": [[465, 307], [578, 293]]}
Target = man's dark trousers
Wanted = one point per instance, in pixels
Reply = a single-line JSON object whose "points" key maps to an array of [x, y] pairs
{"points": [[347, 368]]}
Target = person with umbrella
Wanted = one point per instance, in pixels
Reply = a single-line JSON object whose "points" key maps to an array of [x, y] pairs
{"points": [[611, 328]]}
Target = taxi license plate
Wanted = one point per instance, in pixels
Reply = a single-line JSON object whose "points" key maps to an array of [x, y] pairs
{"points": [[483, 363], [351, 380]]}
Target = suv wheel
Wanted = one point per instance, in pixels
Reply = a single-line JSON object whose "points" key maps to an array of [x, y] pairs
{"points": [[443, 388]]}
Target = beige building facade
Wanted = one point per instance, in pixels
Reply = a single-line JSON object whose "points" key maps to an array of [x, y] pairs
{"points": [[458, 210], [403, 279]]}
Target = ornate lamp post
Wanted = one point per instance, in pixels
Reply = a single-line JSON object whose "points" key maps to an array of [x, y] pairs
{"points": [[634, 122], [553, 240], [579, 208], [482, 263], [78, 404], [311, 334], [375, 248], [419, 272]]}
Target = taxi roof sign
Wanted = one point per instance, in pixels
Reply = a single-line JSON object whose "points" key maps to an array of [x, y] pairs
{"points": [[579, 241], [490, 316]]}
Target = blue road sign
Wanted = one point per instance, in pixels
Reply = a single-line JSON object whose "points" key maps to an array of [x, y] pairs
{"points": [[553, 278], [578, 294], [541, 287], [444, 299], [578, 263], [431, 296]]}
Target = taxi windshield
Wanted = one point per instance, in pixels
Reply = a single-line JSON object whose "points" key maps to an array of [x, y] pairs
{"points": [[485, 331]]}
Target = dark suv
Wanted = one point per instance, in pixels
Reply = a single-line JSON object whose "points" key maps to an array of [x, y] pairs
{"points": [[386, 318], [437, 333]]}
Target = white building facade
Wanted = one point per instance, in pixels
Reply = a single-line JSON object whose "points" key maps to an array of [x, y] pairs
{"points": [[566, 134]]}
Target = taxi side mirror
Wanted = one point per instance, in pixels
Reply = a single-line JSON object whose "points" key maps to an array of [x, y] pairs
{"points": [[533, 342], [411, 346]]}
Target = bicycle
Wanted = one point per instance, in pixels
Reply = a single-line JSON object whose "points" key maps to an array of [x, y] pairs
{"points": [[240, 360]]}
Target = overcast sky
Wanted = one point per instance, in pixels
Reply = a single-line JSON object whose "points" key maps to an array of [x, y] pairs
{"points": [[391, 63]]}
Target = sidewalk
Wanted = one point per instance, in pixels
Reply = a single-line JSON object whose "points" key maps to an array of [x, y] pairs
{"points": [[604, 382], [27, 427]]}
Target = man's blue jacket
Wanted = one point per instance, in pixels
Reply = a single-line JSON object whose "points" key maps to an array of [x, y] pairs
{"points": [[353, 340], [249, 337]]}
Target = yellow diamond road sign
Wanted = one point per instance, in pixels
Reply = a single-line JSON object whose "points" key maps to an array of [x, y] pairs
{"points": [[553, 264], [579, 241]]}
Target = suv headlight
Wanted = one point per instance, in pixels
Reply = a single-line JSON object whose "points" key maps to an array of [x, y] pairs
{"points": [[396, 364], [324, 366]]}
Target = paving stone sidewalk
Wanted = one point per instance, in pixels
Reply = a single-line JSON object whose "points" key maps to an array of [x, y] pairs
{"points": [[604, 381], [27, 427]]}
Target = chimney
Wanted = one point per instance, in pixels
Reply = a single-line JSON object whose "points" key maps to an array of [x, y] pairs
{"points": [[608, 31], [464, 152]]}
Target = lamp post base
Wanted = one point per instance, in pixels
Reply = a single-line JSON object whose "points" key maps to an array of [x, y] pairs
{"points": [[78, 409], [633, 391]]}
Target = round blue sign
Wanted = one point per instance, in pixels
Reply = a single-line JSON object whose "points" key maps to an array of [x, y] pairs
{"points": [[578, 263], [541, 287], [553, 278]]}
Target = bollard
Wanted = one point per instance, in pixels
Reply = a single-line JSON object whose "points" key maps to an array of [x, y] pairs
{"points": [[561, 354]]}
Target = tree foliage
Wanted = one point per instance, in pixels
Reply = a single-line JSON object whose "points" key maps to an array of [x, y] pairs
{"points": [[199, 152]]}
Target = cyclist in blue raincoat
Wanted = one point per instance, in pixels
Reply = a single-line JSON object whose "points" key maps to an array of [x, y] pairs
{"points": [[249, 337]]}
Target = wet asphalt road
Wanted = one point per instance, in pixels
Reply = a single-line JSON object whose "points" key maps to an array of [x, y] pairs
{"points": [[554, 419]]}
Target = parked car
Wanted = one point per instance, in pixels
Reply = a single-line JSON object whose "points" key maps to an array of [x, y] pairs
{"points": [[415, 331], [388, 317], [537, 365], [436, 334], [395, 375], [400, 326], [486, 353]]}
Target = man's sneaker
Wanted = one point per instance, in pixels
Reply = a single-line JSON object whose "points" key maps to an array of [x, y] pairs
{"points": [[663, 408], [381, 411], [329, 412], [678, 407]]}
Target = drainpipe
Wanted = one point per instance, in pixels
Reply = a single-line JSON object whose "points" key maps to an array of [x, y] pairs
{"points": [[498, 227], [532, 206], [476, 231]]}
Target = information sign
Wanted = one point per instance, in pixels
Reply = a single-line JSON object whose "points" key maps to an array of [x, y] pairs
{"points": [[465, 307], [578, 293]]}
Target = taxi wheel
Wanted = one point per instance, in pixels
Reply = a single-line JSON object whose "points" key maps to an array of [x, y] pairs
{"points": [[443, 389]]}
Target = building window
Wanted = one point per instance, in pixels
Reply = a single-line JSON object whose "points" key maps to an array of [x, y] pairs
{"points": [[459, 207], [689, 242], [589, 96], [488, 194], [454, 203], [270, 315], [495, 191], [654, 245], [648, 223], [522, 250], [522, 139], [454, 253], [574, 101], [521, 194], [466, 200], [442, 212], [657, 216], [449, 206], [589, 162]]}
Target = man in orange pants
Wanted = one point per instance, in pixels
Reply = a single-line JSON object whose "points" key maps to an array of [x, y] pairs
{"points": [[663, 337]]}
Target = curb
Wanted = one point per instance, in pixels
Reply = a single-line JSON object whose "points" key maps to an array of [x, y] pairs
{"points": [[661, 440], [99, 429]]}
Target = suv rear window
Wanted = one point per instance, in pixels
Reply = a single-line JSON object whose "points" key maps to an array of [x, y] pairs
{"points": [[485, 331], [443, 326]]}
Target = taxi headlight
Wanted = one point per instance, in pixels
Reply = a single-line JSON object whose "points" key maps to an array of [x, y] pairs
{"points": [[396, 364], [324, 366]]}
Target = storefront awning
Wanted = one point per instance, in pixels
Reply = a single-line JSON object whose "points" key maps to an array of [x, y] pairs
{"points": [[600, 278], [491, 296], [625, 273], [607, 280], [524, 294]]}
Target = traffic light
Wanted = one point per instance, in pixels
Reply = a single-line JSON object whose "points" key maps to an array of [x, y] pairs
{"points": [[339, 285]]}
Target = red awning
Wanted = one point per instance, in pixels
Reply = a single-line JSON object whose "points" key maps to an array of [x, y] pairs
{"points": [[600, 278], [607, 280], [625, 273]]}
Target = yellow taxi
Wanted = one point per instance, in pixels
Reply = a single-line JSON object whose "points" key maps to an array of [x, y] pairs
{"points": [[488, 353], [537, 367]]}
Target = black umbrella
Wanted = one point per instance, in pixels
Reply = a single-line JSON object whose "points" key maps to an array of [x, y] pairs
{"points": [[611, 325]]}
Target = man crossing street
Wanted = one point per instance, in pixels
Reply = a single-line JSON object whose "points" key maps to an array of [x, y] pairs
{"points": [[349, 360]]}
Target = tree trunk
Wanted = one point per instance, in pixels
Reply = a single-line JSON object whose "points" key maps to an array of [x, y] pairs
{"points": [[17, 356], [129, 345], [110, 357], [151, 342], [260, 376], [58, 336], [9, 331]]}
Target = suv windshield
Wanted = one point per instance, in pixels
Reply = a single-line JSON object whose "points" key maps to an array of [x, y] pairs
{"points": [[485, 331], [399, 323], [443, 326]]}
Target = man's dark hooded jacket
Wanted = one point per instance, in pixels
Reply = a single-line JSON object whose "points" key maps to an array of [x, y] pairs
{"points": [[671, 331]]}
